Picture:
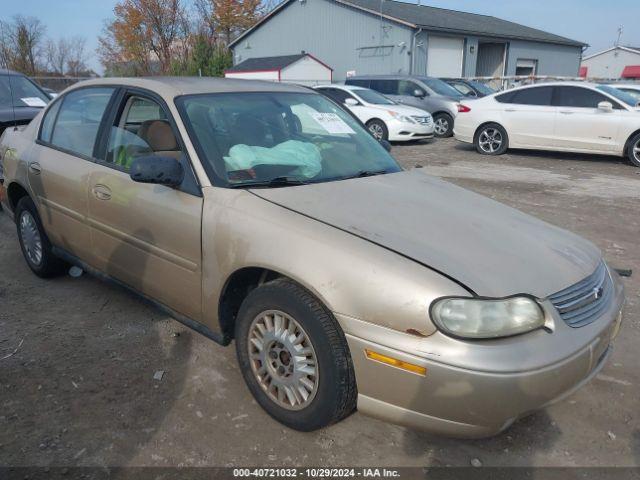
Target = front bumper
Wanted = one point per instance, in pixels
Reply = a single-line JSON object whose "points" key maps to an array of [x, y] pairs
{"points": [[489, 393], [402, 132]]}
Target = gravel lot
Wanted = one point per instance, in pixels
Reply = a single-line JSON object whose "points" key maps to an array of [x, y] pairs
{"points": [[80, 388]]}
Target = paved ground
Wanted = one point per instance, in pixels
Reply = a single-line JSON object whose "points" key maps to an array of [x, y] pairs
{"points": [[80, 389]]}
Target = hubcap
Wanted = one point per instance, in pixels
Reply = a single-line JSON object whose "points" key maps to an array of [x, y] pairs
{"points": [[377, 131], [441, 126], [490, 140], [636, 151], [283, 360], [31, 237]]}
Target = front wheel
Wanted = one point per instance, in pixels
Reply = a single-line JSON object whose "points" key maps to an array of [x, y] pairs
{"points": [[491, 139], [294, 357], [378, 129], [443, 125], [634, 151]]}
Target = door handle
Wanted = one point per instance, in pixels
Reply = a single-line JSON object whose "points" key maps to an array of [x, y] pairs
{"points": [[101, 192], [565, 112], [510, 110], [35, 168]]}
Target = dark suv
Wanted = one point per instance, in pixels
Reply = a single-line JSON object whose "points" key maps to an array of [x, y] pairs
{"points": [[21, 99]]}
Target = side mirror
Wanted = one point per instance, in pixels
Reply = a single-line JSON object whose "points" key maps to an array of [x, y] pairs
{"points": [[156, 169], [605, 106], [472, 94], [351, 102], [386, 145], [419, 93]]}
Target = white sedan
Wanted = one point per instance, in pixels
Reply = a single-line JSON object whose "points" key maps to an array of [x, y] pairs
{"points": [[385, 119], [568, 116]]}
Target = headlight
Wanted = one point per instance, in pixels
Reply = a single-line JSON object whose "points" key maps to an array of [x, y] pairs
{"points": [[477, 318], [401, 118]]}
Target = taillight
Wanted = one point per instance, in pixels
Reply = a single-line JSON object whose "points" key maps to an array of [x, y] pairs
{"points": [[463, 108]]}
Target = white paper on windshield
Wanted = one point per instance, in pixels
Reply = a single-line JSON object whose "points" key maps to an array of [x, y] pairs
{"points": [[34, 101], [332, 123]]}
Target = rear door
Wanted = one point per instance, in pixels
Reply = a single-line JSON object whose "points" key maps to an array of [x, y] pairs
{"points": [[61, 163], [529, 117], [145, 235], [581, 125]]}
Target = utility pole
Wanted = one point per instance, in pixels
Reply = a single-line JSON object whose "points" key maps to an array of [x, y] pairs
{"points": [[620, 30]]}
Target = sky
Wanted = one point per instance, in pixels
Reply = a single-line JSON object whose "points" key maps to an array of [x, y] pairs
{"points": [[592, 21]]}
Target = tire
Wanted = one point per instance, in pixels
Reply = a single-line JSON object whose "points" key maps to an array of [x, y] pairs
{"points": [[331, 389], [633, 151], [491, 139], [378, 129], [443, 125], [34, 243]]}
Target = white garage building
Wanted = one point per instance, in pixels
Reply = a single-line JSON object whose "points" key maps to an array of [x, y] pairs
{"points": [[303, 69], [616, 62]]}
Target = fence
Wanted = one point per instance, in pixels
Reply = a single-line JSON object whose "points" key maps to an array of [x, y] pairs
{"points": [[57, 84]]}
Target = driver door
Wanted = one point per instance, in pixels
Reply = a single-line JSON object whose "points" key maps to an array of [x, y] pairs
{"points": [[147, 236]]}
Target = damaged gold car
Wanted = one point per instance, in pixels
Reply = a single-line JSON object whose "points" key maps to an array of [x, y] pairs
{"points": [[264, 213]]}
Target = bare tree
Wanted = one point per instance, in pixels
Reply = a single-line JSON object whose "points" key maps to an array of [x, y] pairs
{"points": [[57, 55], [25, 38], [77, 59]]}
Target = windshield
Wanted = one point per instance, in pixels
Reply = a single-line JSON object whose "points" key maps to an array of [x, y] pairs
{"points": [[619, 94], [258, 137], [23, 92], [441, 88], [481, 87], [373, 97]]}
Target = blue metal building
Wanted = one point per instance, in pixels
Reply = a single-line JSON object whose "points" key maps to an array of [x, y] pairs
{"points": [[389, 37]]}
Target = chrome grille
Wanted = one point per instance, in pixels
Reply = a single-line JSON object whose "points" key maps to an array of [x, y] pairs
{"points": [[422, 120], [582, 303]]}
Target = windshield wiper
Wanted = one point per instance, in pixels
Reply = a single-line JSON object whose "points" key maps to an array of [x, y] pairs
{"points": [[367, 173], [272, 182]]}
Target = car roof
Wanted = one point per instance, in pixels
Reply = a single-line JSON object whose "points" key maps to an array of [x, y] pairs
{"points": [[344, 87], [175, 86], [4, 71], [388, 77]]}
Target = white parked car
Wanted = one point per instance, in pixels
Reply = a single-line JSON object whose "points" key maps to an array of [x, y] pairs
{"points": [[385, 119], [568, 116], [632, 89]]}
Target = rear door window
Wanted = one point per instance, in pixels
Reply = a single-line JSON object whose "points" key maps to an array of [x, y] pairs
{"points": [[386, 87], [358, 82], [533, 96], [78, 120]]}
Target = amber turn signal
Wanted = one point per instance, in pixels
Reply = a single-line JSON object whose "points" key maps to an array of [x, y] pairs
{"points": [[394, 362]]}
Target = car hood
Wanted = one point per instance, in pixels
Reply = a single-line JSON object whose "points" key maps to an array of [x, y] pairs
{"points": [[403, 110], [492, 249]]}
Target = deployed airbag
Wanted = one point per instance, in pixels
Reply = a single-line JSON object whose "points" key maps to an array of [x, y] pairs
{"points": [[303, 155]]}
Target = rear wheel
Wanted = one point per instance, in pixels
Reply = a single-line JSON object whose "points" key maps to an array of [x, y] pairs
{"points": [[443, 125], [34, 243], [634, 151], [294, 357], [491, 139], [378, 129]]}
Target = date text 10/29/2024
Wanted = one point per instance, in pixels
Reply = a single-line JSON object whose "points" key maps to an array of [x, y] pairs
{"points": [[316, 472]]}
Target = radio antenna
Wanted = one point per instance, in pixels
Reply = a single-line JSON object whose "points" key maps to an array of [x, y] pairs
{"points": [[6, 66]]}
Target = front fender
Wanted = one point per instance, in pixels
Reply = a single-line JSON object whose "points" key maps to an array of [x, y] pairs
{"points": [[351, 276]]}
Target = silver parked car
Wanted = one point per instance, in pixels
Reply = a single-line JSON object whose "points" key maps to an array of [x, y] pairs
{"points": [[427, 93]]}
